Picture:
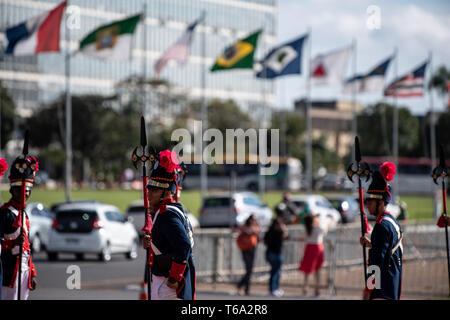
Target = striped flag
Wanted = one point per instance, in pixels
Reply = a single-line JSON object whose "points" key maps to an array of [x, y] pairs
{"points": [[179, 51], [410, 85], [112, 41], [36, 35], [369, 82]]}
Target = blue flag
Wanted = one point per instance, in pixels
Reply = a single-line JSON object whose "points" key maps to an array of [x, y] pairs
{"points": [[371, 81], [283, 60]]}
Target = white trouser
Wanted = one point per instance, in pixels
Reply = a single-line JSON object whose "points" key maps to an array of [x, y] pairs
{"points": [[11, 293], [160, 290]]}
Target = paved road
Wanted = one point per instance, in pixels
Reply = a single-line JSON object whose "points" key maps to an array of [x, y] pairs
{"points": [[119, 279]]}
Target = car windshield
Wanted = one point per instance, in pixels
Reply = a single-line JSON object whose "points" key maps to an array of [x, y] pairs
{"points": [[76, 220], [252, 201], [217, 202]]}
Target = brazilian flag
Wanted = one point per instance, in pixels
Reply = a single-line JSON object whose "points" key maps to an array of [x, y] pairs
{"points": [[239, 55]]}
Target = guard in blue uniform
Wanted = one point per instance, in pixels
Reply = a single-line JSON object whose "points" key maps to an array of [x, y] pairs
{"points": [[385, 244], [171, 241]]}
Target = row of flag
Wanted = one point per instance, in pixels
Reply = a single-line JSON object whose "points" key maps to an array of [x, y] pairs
{"points": [[114, 41]]}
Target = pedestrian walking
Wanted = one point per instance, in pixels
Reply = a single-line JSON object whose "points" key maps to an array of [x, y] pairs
{"points": [[247, 240], [273, 239], [313, 255]]}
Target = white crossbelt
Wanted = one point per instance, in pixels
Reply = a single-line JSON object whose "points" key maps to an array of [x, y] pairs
{"points": [[399, 235], [191, 238]]}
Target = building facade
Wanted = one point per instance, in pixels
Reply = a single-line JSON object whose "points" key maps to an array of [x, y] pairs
{"points": [[43, 78], [332, 119]]}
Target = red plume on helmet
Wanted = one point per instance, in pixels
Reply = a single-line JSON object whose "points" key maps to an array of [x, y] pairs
{"points": [[3, 166], [168, 160], [388, 171]]}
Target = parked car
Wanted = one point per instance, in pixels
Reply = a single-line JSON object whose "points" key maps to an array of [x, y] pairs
{"points": [[347, 206], [41, 219], [317, 205], [223, 210], [91, 227], [136, 215]]}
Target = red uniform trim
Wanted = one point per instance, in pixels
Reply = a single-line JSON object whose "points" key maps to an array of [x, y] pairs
{"points": [[177, 271], [382, 217]]}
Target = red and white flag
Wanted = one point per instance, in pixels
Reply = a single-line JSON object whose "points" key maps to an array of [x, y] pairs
{"points": [[37, 34], [330, 68], [179, 51], [410, 85]]}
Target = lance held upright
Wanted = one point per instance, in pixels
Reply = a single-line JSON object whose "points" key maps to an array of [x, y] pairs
{"points": [[171, 241], [19, 273], [385, 244]]}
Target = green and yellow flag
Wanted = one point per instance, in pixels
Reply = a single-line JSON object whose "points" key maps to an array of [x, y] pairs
{"points": [[112, 41], [239, 55]]}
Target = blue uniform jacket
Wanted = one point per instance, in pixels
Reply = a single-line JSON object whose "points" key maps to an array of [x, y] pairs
{"points": [[384, 237], [170, 236]]}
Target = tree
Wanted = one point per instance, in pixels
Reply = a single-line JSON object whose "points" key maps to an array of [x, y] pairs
{"points": [[293, 126], [375, 129], [7, 116], [102, 136], [443, 132], [439, 80]]}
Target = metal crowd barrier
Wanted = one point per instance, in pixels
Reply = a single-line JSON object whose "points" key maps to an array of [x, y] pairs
{"points": [[219, 260]]}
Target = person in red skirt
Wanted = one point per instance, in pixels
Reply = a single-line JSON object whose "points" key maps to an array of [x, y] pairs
{"points": [[313, 255]]}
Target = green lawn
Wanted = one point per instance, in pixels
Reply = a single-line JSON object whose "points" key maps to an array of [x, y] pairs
{"points": [[419, 207]]}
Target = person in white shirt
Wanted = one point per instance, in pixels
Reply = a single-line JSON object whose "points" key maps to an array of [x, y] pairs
{"points": [[313, 256]]}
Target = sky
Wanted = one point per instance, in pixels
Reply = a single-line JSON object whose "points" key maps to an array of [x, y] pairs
{"points": [[416, 28]]}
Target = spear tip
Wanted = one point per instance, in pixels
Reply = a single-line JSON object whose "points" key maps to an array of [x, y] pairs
{"points": [[441, 156], [25, 143], [357, 151], [143, 133]]}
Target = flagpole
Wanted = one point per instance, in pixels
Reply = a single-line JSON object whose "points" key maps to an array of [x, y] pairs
{"points": [[68, 180], [144, 61], [261, 182], [432, 134], [355, 119], [308, 120], [203, 168], [395, 128]]}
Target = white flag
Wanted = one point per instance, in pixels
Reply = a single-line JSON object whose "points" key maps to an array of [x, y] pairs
{"points": [[327, 69]]}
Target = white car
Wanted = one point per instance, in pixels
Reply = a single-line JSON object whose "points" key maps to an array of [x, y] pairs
{"points": [[224, 211], [317, 205], [136, 215], [91, 227], [41, 219]]}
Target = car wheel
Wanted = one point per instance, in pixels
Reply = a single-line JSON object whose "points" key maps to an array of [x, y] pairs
{"points": [[79, 256], [105, 255], [133, 251], [52, 256], [36, 246]]}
